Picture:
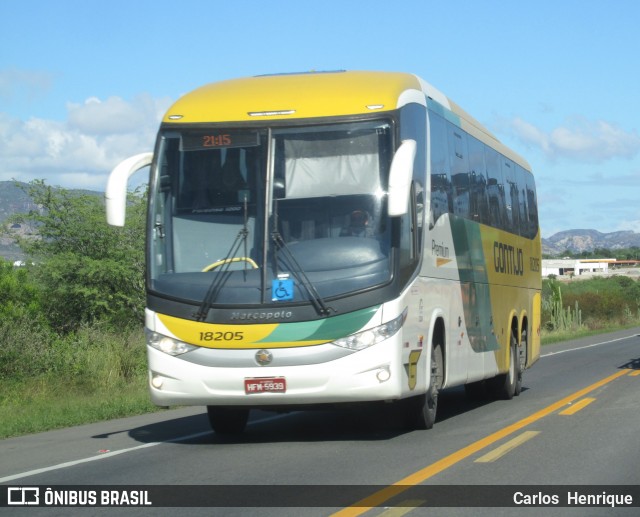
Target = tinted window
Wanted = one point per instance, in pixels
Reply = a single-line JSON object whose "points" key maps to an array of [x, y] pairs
{"points": [[414, 126], [440, 172], [511, 193], [469, 179], [479, 202], [495, 189], [457, 140], [532, 205]]}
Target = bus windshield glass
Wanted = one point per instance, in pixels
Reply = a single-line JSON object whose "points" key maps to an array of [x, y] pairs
{"points": [[254, 212]]}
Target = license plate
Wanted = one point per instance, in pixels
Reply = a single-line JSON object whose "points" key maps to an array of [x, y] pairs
{"points": [[265, 385]]}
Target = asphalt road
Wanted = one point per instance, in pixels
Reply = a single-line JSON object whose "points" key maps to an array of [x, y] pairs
{"points": [[577, 422]]}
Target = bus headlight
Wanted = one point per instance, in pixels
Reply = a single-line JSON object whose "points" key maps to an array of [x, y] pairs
{"points": [[168, 345], [370, 337]]}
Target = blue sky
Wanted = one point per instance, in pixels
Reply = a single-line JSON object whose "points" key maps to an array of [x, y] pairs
{"points": [[83, 84]]}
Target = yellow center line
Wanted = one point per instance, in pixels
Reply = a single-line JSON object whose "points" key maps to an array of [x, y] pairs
{"points": [[574, 408], [505, 448], [381, 496], [635, 373]]}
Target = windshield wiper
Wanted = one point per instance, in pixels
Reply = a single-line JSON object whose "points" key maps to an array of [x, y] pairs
{"points": [[300, 275], [224, 273], [297, 271]]}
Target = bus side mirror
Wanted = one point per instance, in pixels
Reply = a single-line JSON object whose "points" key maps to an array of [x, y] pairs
{"points": [[116, 193], [400, 177]]}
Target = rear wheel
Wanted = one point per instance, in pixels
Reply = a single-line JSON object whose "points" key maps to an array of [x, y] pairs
{"points": [[227, 421], [507, 385], [521, 362], [420, 411]]}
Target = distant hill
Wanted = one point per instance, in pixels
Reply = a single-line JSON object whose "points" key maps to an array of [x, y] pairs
{"points": [[13, 200], [578, 241]]}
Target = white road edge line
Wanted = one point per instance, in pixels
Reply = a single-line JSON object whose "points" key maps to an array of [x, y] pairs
{"points": [[116, 453], [587, 346]]}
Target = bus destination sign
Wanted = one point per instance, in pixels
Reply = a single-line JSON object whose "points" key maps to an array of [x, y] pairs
{"points": [[201, 141]]}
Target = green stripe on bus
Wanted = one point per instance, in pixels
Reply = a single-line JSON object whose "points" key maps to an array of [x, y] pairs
{"points": [[322, 330], [474, 284]]}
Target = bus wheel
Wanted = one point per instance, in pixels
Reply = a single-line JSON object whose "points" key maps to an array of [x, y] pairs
{"points": [[507, 385], [420, 411], [226, 420], [522, 361]]}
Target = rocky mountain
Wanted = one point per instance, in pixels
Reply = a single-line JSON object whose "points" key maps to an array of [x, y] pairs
{"points": [[14, 200], [578, 241]]}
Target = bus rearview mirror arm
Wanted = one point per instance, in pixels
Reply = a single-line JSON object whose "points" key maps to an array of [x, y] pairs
{"points": [[400, 177], [116, 193]]}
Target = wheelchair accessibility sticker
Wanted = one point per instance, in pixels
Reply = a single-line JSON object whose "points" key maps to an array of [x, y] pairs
{"points": [[281, 290]]}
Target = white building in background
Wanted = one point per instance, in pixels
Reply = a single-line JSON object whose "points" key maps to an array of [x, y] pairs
{"points": [[565, 267]]}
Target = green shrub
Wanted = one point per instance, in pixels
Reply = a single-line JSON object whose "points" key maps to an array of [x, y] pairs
{"points": [[600, 302]]}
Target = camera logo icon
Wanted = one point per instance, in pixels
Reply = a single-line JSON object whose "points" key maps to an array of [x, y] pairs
{"points": [[23, 496]]}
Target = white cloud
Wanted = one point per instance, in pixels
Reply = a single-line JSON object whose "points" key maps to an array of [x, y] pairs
{"points": [[80, 151], [580, 139], [114, 115]]}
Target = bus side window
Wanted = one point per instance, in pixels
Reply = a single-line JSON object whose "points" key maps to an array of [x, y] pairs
{"points": [[522, 201], [495, 189], [478, 202], [441, 202], [511, 191], [419, 201], [407, 242], [532, 205], [457, 140]]}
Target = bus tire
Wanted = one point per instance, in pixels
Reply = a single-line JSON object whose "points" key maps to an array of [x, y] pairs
{"points": [[505, 386], [522, 361], [420, 411], [227, 421]]}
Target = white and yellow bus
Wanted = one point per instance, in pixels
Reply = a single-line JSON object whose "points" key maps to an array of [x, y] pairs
{"points": [[334, 237]]}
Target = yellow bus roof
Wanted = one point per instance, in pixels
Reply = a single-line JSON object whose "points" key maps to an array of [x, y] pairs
{"points": [[317, 94], [304, 95]]}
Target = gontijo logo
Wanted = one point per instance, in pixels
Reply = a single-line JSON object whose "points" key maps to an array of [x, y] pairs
{"points": [[508, 259]]}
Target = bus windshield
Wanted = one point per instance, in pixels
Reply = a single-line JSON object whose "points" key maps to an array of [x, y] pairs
{"points": [[248, 211]]}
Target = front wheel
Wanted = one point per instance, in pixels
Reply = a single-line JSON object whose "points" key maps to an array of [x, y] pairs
{"points": [[420, 411], [227, 421]]}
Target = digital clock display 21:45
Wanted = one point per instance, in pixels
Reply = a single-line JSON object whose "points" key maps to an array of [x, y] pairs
{"points": [[200, 140]]}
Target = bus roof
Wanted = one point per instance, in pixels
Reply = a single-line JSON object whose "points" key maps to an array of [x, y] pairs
{"points": [[304, 95], [318, 94]]}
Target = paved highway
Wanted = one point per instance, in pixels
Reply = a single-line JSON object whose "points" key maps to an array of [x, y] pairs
{"points": [[577, 422]]}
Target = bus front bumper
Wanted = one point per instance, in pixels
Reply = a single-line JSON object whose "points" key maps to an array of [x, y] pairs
{"points": [[373, 374]]}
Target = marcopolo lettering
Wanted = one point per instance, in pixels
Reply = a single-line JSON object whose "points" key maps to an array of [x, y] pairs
{"points": [[508, 259], [262, 315]]}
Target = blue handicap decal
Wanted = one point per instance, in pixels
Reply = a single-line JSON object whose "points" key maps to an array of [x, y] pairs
{"points": [[281, 290]]}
